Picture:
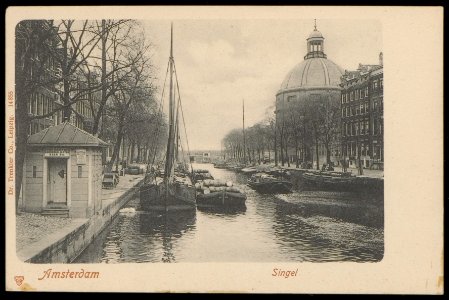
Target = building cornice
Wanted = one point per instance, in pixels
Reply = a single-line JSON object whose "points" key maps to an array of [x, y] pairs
{"points": [[309, 88]]}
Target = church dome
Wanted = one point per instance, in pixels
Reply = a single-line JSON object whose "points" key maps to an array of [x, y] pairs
{"points": [[313, 72], [315, 34], [316, 71]]}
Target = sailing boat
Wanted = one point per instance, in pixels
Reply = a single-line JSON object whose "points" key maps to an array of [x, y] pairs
{"points": [[171, 190]]}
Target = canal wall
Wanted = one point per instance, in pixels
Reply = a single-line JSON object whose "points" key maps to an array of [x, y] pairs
{"points": [[71, 244], [366, 184]]}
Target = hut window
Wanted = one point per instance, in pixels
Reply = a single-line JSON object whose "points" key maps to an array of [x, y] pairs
{"points": [[80, 171], [34, 171]]}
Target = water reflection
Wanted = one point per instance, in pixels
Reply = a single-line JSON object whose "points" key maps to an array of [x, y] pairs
{"points": [[315, 226], [168, 226], [326, 234], [350, 209], [218, 211]]}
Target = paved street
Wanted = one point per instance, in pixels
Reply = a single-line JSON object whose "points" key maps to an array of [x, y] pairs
{"points": [[34, 228]]}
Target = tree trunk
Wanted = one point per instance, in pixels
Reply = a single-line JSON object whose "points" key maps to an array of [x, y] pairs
{"points": [[297, 152], [103, 80], [22, 123], [138, 152], [282, 147], [286, 154], [269, 155], [117, 145], [317, 153], [328, 153], [275, 146], [359, 158]]}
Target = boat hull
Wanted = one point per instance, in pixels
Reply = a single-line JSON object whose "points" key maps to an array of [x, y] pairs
{"points": [[179, 197], [324, 182], [221, 199], [281, 187]]}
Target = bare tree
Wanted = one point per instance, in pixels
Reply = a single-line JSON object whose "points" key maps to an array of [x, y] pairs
{"points": [[48, 56], [134, 87]]}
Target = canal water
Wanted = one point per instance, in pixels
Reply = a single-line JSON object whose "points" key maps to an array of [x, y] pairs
{"points": [[304, 226]]}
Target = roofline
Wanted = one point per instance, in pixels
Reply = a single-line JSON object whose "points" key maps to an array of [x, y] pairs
{"points": [[68, 145], [297, 89], [100, 143]]}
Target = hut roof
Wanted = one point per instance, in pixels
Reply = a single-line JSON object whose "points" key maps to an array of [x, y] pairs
{"points": [[65, 134]]}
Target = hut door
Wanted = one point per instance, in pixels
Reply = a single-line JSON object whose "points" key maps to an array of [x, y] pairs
{"points": [[57, 169]]}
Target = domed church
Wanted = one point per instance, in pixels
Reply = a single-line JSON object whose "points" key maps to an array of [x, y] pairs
{"points": [[309, 95]]}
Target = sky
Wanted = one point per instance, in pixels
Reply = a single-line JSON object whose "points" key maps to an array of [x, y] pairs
{"points": [[221, 62]]}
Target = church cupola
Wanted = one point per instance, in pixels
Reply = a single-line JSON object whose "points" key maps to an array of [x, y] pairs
{"points": [[315, 44]]}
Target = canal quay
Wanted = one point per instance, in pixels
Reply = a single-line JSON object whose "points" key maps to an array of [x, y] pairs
{"points": [[303, 226], [50, 239]]}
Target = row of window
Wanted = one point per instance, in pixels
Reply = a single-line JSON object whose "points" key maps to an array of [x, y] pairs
{"points": [[354, 95], [359, 94], [40, 104], [314, 47], [378, 83], [356, 128], [361, 127], [83, 108], [363, 108], [80, 173], [351, 150], [350, 111]]}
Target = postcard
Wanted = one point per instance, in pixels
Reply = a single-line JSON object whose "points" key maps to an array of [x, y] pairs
{"points": [[212, 149]]}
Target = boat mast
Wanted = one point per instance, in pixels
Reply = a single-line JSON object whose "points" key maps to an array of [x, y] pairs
{"points": [[244, 138], [177, 136], [171, 129]]}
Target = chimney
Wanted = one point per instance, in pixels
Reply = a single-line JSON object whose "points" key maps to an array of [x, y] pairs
{"points": [[381, 59]]}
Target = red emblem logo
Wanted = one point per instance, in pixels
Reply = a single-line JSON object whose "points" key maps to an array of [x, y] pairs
{"points": [[19, 280]]}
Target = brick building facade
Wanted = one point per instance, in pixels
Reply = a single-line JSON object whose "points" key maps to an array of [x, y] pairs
{"points": [[362, 116]]}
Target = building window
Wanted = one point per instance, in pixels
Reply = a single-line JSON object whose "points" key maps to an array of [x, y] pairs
{"points": [[50, 107], [366, 92], [366, 127], [356, 94], [351, 96], [375, 84], [80, 171], [381, 83], [30, 104], [34, 171], [41, 105], [289, 99], [45, 106], [362, 109], [33, 104]]}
